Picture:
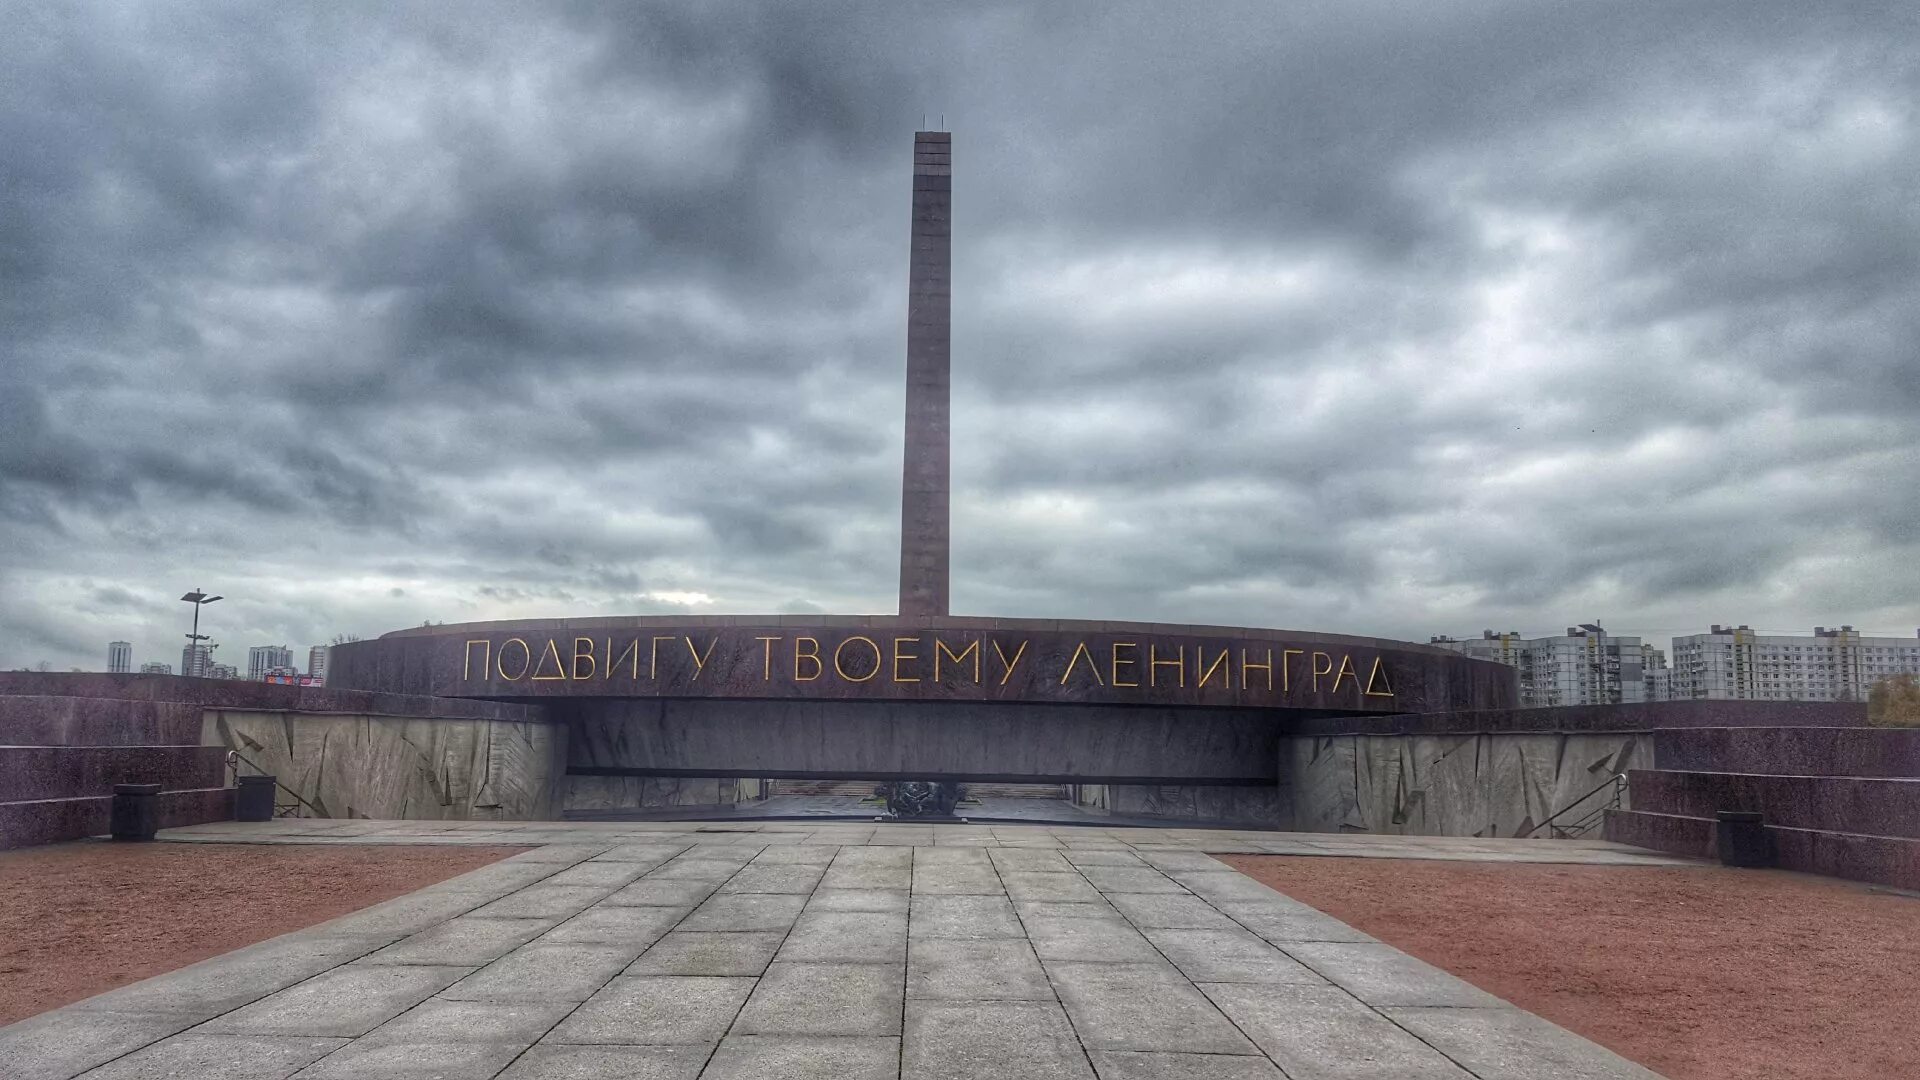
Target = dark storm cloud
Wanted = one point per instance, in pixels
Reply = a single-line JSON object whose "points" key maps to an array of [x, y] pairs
{"points": [[1377, 317]]}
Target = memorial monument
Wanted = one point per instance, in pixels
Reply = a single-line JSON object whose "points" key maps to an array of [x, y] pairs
{"points": [[923, 695]]}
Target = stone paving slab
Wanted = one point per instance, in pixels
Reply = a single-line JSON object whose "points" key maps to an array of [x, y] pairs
{"points": [[364, 1060], [685, 949], [219, 1057], [1093, 940], [1138, 1065], [345, 1002], [656, 892], [467, 939], [852, 937], [439, 1020], [1509, 1044], [615, 925], [1382, 976], [1324, 1033], [67, 1042], [560, 971], [206, 989], [746, 911], [698, 952], [1229, 956], [824, 999], [993, 969], [1014, 1040], [963, 917], [562, 1061], [805, 1057], [799, 878], [1142, 1007], [825, 899], [656, 1009]]}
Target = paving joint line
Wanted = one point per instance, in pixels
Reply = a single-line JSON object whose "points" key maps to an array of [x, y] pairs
{"points": [[1027, 936]]}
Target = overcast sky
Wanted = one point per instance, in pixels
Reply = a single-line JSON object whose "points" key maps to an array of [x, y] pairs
{"points": [[1378, 318]]}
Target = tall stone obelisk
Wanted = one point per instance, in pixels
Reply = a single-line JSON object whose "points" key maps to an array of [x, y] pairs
{"points": [[924, 488]]}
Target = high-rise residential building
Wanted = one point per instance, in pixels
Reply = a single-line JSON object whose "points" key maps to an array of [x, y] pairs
{"points": [[1584, 666], [1833, 664], [119, 657], [317, 662], [195, 658], [155, 667], [222, 671], [1656, 675], [264, 658]]}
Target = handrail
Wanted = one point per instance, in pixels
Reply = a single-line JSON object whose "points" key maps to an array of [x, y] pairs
{"points": [[1617, 783], [235, 755]]}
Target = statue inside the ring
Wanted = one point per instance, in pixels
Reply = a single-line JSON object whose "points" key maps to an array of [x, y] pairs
{"points": [[919, 798]]}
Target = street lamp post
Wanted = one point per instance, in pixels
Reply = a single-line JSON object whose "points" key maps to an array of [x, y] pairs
{"points": [[199, 600]]}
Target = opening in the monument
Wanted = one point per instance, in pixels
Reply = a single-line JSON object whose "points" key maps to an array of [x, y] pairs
{"points": [[902, 800], [600, 795]]}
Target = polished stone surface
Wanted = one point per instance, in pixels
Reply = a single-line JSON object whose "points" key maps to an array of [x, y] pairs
{"points": [[822, 949], [885, 658]]}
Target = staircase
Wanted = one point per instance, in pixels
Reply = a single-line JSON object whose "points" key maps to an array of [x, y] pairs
{"points": [[60, 757], [864, 788], [1016, 791], [1844, 802], [861, 788]]}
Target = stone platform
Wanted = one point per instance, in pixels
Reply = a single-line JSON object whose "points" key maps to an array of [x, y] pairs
{"points": [[824, 950]]}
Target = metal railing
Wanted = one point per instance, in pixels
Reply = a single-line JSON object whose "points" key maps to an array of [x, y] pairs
{"points": [[281, 808], [1565, 823]]}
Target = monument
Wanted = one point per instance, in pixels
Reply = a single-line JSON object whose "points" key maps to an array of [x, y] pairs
{"points": [[923, 695], [925, 505]]}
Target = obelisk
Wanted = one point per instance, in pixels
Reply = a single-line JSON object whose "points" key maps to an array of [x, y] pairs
{"points": [[924, 496]]}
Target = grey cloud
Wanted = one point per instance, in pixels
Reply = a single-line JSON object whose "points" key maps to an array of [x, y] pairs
{"points": [[1367, 316]]}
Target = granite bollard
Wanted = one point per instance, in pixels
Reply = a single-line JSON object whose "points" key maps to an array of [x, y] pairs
{"points": [[136, 811], [254, 799]]}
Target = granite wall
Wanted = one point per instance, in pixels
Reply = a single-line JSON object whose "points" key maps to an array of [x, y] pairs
{"points": [[417, 768], [1449, 785]]}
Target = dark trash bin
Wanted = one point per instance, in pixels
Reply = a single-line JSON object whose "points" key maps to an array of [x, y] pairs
{"points": [[136, 811], [254, 799], [1742, 839]]}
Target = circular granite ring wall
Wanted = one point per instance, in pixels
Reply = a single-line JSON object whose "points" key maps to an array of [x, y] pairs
{"points": [[895, 659]]}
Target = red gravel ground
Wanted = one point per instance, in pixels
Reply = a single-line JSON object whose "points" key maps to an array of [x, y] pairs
{"points": [[80, 918], [1700, 973]]}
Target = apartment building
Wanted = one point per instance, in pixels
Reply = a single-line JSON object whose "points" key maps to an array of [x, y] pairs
{"points": [[1832, 664], [1584, 666]]}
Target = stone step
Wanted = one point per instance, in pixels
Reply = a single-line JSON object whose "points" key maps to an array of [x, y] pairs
{"points": [[1017, 791], [1675, 834], [1791, 751], [61, 772], [50, 821], [864, 788], [59, 720], [1881, 860], [1872, 806], [861, 788]]}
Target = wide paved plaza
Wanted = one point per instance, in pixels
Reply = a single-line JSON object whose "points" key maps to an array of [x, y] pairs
{"points": [[682, 950]]}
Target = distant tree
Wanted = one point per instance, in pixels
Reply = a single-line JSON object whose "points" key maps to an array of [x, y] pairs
{"points": [[342, 639], [1894, 702], [43, 666]]}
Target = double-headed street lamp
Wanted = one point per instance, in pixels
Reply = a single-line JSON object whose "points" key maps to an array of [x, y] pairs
{"points": [[198, 599]]}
